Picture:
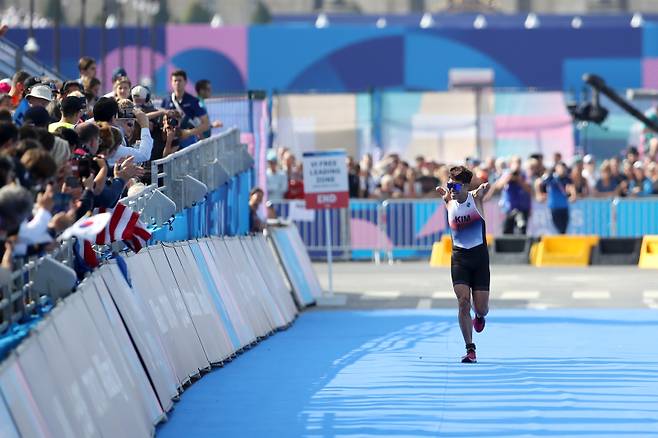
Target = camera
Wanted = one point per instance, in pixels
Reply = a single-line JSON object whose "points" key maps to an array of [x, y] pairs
{"points": [[84, 165], [173, 122]]}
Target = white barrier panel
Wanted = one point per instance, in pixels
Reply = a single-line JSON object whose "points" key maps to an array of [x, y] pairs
{"points": [[77, 399], [258, 284], [7, 426], [206, 266], [246, 279], [200, 309], [124, 355], [240, 289], [281, 298], [17, 395], [296, 264], [141, 327], [214, 337], [117, 414], [108, 360], [234, 303], [152, 279], [275, 272], [129, 347], [51, 391]]}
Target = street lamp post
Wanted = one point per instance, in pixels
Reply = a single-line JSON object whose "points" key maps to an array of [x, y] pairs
{"points": [[56, 35], [139, 8], [31, 46], [103, 42], [122, 40], [153, 7], [83, 11]]}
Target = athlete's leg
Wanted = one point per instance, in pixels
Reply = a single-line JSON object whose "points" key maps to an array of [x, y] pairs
{"points": [[481, 279], [463, 292], [481, 302]]}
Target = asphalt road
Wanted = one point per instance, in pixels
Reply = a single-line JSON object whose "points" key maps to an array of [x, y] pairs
{"points": [[406, 285]]}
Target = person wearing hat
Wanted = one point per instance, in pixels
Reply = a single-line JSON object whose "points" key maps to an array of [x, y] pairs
{"points": [[5, 86], [72, 108], [37, 116], [276, 179], [39, 95], [69, 87], [118, 72]]}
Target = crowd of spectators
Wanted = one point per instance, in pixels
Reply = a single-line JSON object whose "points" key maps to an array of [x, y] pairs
{"points": [[518, 182], [68, 148]]}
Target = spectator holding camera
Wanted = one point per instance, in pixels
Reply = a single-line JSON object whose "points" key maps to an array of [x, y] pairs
{"points": [[558, 190], [107, 110], [194, 120], [515, 198]]}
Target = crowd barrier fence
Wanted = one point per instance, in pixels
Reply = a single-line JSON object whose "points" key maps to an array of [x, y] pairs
{"points": [[110, 359], [407, 228], [199, 191]]}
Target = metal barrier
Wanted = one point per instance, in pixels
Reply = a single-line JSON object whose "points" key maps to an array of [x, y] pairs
{"points": [[198, 183], [407, 228], [186, 175], [19, 297], [14, 58]]}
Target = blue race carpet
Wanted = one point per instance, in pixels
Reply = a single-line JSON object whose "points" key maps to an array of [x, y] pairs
{"points": [[561, 373]]}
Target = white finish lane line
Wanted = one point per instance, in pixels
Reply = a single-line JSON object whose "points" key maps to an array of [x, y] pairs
{"points": [[519, 295], [443, 294], [590, 295], [380, 294], [650, 294]]}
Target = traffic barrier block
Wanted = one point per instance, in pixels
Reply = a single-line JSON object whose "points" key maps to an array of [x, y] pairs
{"points": [[617, 251], [649, 252], [510, 250], [441, 252], [565, 250]]}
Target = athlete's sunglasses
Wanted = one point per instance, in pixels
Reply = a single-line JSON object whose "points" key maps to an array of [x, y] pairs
{"points": [[454, 186]]}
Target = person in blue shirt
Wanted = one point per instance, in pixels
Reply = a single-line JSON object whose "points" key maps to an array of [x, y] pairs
{"points": [[557, 189], [515, 198], [194, 120], [639, 185], [204, 91]]}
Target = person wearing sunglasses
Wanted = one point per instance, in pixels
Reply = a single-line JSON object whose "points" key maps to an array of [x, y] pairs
{"points": [[469, 264]]}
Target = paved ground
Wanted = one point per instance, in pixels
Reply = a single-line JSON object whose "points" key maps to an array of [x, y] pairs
{"points": [[416, 285]]}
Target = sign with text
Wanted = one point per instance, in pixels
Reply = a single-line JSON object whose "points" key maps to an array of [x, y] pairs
{"points": [[325, 179]]}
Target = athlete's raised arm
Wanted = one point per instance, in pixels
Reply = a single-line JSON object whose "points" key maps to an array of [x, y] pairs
{"points": [[443, 193], [481, 191]]}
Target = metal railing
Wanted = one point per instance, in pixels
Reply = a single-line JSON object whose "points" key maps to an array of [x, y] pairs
{"points": [[186, 175], [13, 58], [407, 228], [19, 298], [183, 178]]}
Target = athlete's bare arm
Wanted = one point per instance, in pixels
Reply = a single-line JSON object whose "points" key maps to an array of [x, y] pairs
{"points": [[479, 194], [443, 193]]}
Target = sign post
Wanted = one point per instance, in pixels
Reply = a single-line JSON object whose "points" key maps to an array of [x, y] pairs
{"points": [[325, 188]]}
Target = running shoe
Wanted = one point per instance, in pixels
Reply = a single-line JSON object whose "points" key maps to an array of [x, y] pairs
{"points": [[478, 323], [469, 357]]}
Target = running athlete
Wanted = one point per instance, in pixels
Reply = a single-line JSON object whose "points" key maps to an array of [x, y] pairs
{"points": [[469, 265]]}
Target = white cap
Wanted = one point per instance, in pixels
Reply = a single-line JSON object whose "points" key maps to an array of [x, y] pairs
{"points": [[41, 92], [6, 81], [139, 91]]}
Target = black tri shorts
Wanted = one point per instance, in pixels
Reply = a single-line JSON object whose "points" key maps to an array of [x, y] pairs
{"points": [[471, 267]]}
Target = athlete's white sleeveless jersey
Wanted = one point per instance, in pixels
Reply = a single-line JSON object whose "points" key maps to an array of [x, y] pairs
{"points": [[466, 223]]}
